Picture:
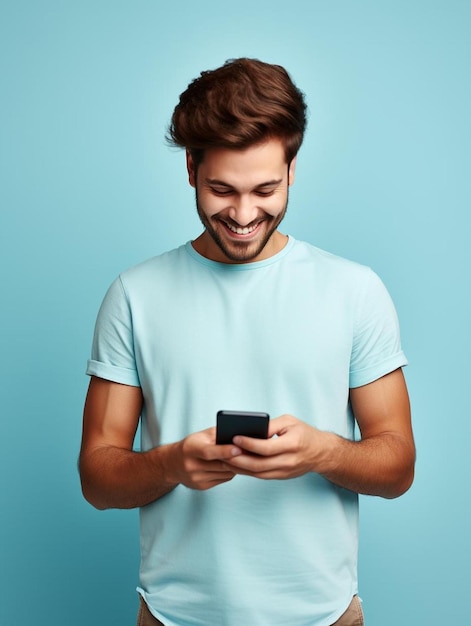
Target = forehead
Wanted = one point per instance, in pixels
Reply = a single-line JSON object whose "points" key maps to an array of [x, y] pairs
{"points": [[253, 165]]}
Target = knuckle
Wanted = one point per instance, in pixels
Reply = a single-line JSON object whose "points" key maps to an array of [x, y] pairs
{"points": [[290, 463], [205, 454], [189, 465]]}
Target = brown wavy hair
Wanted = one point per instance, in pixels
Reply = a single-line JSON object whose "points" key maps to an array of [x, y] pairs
{"points": [[239, 104]]}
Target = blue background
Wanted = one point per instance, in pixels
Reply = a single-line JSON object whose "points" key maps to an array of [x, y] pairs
{"points": [[88, 188]]}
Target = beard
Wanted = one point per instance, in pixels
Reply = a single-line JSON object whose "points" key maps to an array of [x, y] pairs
{"points": [[239, 251]]}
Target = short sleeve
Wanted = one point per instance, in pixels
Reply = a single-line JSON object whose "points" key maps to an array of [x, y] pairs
{"points": [[112, 355], [376, 349]]}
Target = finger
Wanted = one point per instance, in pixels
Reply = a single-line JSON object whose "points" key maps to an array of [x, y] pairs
{"points": [[269, 475], [262, 447], [278, 425], [252, 464], [208, 476], [206, 483], [220, 480], [212, 477], [220, 453]]}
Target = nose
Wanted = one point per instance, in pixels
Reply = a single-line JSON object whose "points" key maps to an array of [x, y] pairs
{"points": [[244, 210]]}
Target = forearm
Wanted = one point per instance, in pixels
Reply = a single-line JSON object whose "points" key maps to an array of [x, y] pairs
{"points": [[114, 477], [382, 465]]}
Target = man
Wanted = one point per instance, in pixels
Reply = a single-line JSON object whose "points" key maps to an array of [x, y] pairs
{"points": [[260, 531]]}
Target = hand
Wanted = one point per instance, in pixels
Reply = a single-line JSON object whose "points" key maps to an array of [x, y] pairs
{"points": [[296, 450], [198, 463]]}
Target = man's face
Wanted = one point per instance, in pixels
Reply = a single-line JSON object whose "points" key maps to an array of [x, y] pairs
{"points": [[241, 197]]}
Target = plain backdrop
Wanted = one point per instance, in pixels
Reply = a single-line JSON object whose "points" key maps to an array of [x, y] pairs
{"points": [[88, 187]]}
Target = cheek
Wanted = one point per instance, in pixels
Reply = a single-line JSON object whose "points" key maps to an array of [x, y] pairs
{"points": [[210, 204], [274, 206]]}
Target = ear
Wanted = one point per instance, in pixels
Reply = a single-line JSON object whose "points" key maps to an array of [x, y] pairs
{"points": [[291, 170], [190, 166]]}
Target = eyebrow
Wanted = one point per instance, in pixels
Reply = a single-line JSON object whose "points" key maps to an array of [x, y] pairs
{"points": [[221, 183]]}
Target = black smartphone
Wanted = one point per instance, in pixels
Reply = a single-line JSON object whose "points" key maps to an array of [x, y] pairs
{"points": [[232, 423]]}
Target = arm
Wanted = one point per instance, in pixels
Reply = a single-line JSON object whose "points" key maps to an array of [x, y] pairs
{"points": [[382, 463], [114, 476]]}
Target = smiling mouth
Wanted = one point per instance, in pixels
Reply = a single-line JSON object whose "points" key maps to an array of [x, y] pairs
{"points": [[239, 230]]}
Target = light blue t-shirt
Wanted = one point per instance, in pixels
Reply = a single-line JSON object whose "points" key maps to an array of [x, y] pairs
{"points": [[290, 334]]}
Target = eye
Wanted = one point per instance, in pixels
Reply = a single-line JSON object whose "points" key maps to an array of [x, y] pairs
{"points": [[264, 193], [220, 191]]}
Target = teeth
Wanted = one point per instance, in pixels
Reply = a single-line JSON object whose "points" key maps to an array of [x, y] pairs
{"points": [[241, 231]]}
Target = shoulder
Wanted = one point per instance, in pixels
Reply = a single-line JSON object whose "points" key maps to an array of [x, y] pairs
{"points": [[156, 270], [154, 275], [159, 263], [329, 267]]}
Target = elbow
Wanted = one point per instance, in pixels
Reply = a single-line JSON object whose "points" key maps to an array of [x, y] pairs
{"points": [[92, 495], [90, 490], [402, 480], [400, 487], [93, 499], [402, 470]]}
